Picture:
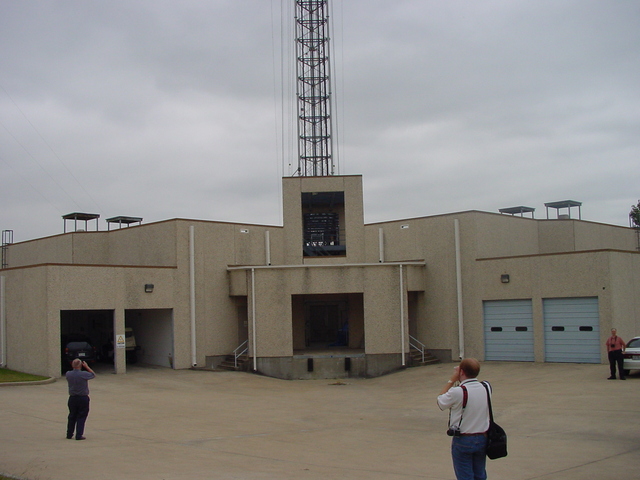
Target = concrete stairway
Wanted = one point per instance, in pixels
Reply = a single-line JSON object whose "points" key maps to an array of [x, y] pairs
{"points": [[229, 364], [416, 358]]}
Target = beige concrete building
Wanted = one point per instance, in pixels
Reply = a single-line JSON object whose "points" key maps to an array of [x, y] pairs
{"points": [[324, 295]]}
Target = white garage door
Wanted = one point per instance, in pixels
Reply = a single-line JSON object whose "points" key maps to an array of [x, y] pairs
{"points": [[508, 330], [571, 330]]}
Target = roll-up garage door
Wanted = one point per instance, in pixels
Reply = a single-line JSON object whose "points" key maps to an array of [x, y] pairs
{"points": [[571, 330], [508, 330]]}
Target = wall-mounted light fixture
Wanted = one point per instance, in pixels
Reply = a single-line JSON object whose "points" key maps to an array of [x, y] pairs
{"points": [[148, 287], [504, 278]]}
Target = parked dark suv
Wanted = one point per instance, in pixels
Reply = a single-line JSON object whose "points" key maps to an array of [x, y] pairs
{"points": [[77, 347]]}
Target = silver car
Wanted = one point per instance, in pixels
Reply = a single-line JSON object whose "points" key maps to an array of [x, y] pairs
{"points": [[632, 356]]}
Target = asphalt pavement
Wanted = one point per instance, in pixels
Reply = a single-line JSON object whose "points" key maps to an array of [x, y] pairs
{"points": [[564, 421]]}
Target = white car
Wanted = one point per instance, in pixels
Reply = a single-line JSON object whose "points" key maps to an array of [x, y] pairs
{"points": [[632, 356]]}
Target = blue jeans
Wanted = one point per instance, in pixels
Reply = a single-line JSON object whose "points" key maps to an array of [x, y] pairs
{"points": [[469, 457]]}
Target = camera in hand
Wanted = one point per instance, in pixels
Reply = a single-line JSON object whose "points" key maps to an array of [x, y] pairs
{"points": [[454, 431]]}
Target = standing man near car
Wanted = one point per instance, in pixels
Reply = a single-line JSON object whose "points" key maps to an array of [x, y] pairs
{"points": [[615, 347], [78, 381], [468, 420]]}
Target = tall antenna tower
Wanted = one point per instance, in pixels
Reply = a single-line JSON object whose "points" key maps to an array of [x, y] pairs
{"points": [[313, 89]]}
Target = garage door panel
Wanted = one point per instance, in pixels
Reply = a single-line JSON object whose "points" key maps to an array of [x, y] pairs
{"points": [[508, 326], [513, 344], [572, 330], [515, 338]]}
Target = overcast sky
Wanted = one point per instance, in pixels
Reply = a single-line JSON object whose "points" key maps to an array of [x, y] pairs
{"points": [[166, 109]]}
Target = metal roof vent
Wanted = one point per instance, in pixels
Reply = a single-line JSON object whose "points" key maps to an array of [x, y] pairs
{"points": [[82, 217], [568, 204], [123, 220], [521, 210]]}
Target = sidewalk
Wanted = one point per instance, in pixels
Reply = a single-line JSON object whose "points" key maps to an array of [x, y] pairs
{"points": [[564, 421]]}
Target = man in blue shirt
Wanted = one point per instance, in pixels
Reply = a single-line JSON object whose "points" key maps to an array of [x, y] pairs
{"points": [[78, 381]]}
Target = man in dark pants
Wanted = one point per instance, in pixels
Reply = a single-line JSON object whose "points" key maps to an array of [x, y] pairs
{"points": [[78, 381], [615, 347]]}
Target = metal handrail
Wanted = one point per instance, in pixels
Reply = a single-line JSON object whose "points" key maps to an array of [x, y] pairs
{"points": [[420, 346], [236, 355]]}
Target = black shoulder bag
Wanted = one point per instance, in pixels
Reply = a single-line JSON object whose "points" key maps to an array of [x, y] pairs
{"points": [[496, 436]]}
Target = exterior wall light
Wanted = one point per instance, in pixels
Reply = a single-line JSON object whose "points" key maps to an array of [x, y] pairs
{"points": [[148, 287], [505, 278]]}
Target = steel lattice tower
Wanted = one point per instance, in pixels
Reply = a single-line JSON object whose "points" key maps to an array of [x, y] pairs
{"points": [[313, 89]]}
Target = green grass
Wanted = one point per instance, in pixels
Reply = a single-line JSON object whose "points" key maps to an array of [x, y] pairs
{"points": [[7, 375]]}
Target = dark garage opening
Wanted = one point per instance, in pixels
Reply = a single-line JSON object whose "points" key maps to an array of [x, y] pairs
{"points": [[93, 326], [153, 330], [148, 332]]}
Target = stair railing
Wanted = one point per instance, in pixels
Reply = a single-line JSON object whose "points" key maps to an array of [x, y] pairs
{"points": [[418, 345], [239, 351]]}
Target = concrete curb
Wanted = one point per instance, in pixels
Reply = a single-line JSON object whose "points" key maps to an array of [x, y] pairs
{"points": [[35, 382]]}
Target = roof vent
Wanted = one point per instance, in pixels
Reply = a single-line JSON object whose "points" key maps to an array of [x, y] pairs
{"points": [[80, 217], [123, 220], [568, 204], [521, 210]]}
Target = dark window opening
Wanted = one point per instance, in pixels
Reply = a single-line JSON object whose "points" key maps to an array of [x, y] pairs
{"points": [[322, 214]]}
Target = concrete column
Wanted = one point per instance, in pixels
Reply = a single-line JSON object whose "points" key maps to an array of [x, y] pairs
{"points": [[119, 354]]}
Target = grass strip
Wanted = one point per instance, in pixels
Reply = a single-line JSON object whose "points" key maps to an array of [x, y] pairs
{"points": [[7, 375]]}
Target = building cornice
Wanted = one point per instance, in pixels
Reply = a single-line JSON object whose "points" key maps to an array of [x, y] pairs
{"points": [[578, 252], [417, 263]]}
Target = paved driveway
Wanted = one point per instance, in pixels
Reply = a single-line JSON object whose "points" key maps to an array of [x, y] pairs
{"points": [[564, 422]]}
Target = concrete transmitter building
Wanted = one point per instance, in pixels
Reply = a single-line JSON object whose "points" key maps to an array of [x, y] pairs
{"points": [[325, 295]]}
